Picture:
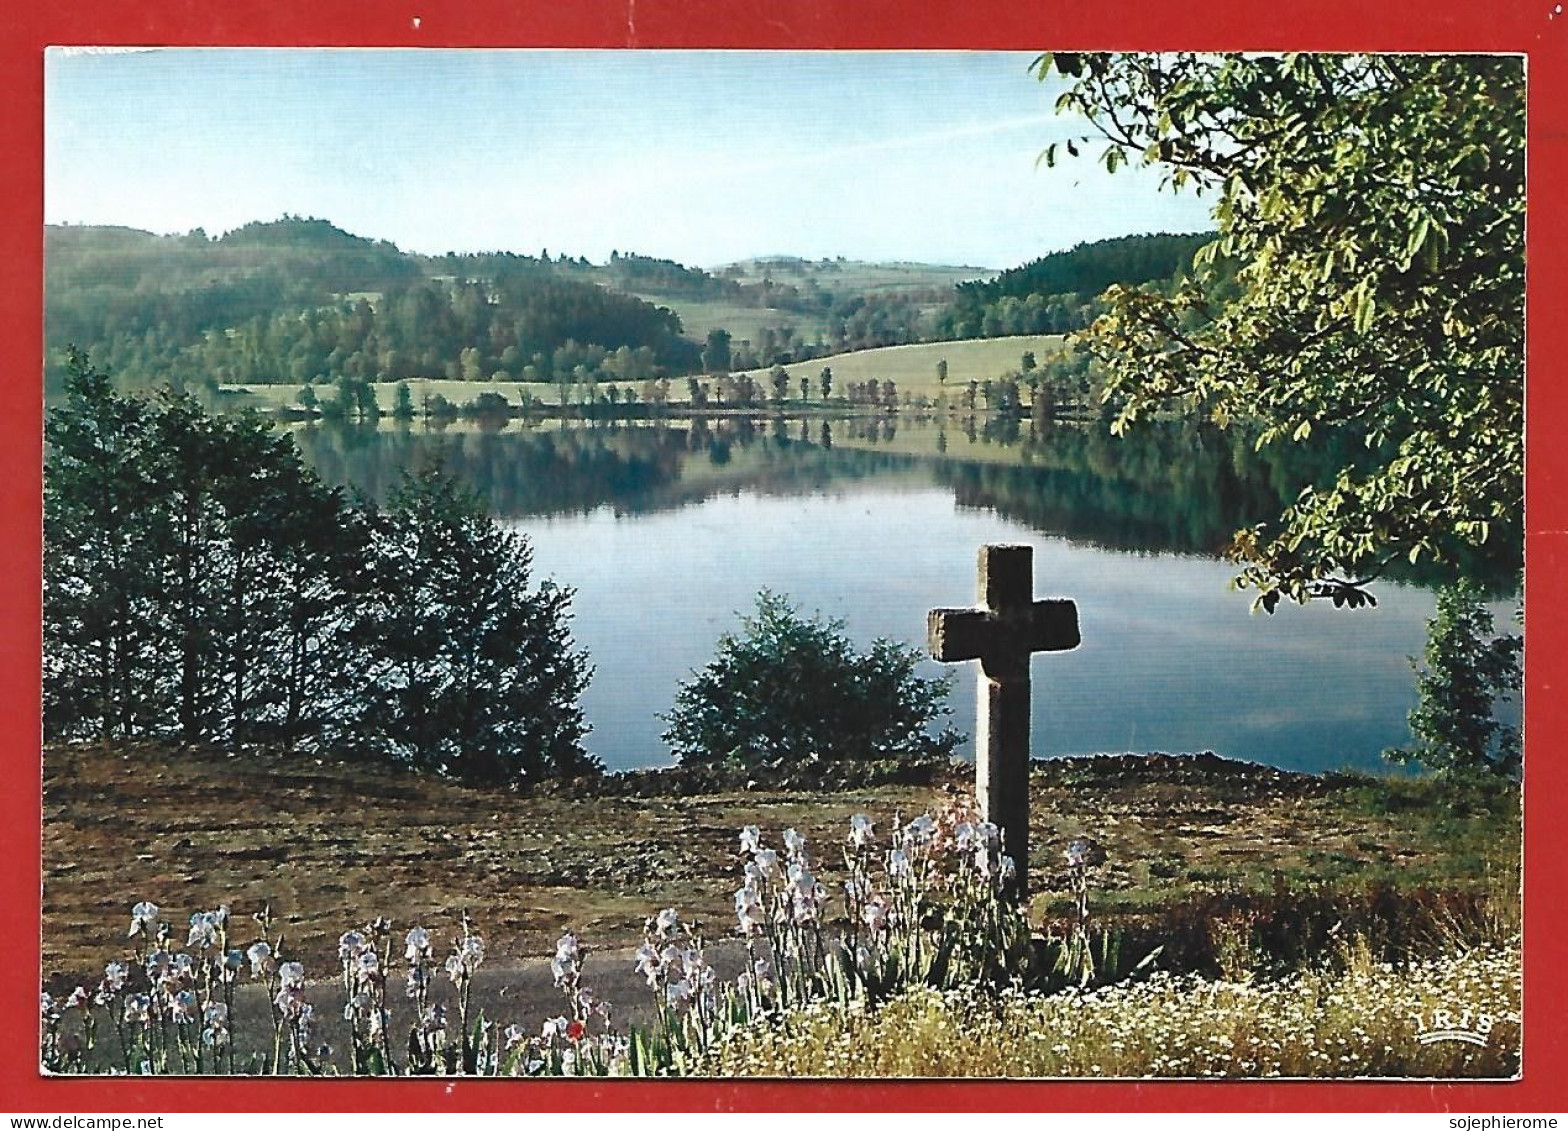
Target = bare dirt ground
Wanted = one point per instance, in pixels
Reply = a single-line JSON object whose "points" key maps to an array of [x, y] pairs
{"points": [[331, 847]]}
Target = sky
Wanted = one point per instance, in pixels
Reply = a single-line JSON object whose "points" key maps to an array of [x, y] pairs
{"points": [[704, 157]]}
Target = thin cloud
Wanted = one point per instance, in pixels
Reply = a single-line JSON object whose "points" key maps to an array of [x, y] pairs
{"points": [[795, 160], [906, 141]]}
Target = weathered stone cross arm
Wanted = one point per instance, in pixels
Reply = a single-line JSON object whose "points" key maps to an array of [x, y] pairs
{"points": [[1002, 634], [1003, 641]]}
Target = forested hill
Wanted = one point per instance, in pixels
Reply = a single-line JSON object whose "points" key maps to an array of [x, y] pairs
{"points": [[1055, 294], [84, 266], [300, 300]]}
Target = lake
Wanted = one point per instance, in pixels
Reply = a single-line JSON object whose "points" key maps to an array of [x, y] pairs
{"points": [[668, 531]]}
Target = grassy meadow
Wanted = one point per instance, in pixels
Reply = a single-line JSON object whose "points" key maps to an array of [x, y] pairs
{"points": [[859, 276], [745, 322], [912, 368], [1273, 923]]}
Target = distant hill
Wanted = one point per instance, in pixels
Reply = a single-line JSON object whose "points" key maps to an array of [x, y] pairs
{"points": [[1055, 293], [303, 251], [779, 309], [1088, 268], [299, 301]]}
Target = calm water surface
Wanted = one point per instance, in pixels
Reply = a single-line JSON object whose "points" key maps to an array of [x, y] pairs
{"points": [[667, 534], [1170, 659]]}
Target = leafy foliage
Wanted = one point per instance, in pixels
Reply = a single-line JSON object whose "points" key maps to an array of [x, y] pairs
{"points": [[98, 642], [792, 690], [201, 582], [196, 573], [473, 673], [1374, 207], [1467, 670]]}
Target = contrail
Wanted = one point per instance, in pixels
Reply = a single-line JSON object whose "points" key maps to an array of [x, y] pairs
{"points": [[831, 154], [907, 141]]}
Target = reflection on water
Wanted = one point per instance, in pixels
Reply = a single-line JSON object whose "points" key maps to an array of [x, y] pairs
{"points": [[1167, 488], [667, 531]]}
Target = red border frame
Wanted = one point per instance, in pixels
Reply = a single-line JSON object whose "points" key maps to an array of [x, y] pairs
{"points": [[1529, 26]]}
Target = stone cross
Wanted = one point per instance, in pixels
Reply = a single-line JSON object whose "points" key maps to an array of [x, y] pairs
{"points": [[1002, 634]]}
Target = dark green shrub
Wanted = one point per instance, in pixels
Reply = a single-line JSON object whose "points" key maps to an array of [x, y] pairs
{"points": [[789, 690]]}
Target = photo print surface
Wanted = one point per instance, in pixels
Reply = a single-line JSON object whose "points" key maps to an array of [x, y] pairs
{"points": [[747, 564]]}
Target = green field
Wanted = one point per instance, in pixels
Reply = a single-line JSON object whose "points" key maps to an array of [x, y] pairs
{"points": [[864, 278], [745, 323], [911, 368]]}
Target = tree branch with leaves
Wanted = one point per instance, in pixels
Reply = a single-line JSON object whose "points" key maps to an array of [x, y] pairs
{"points": [[1371, 235]]}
